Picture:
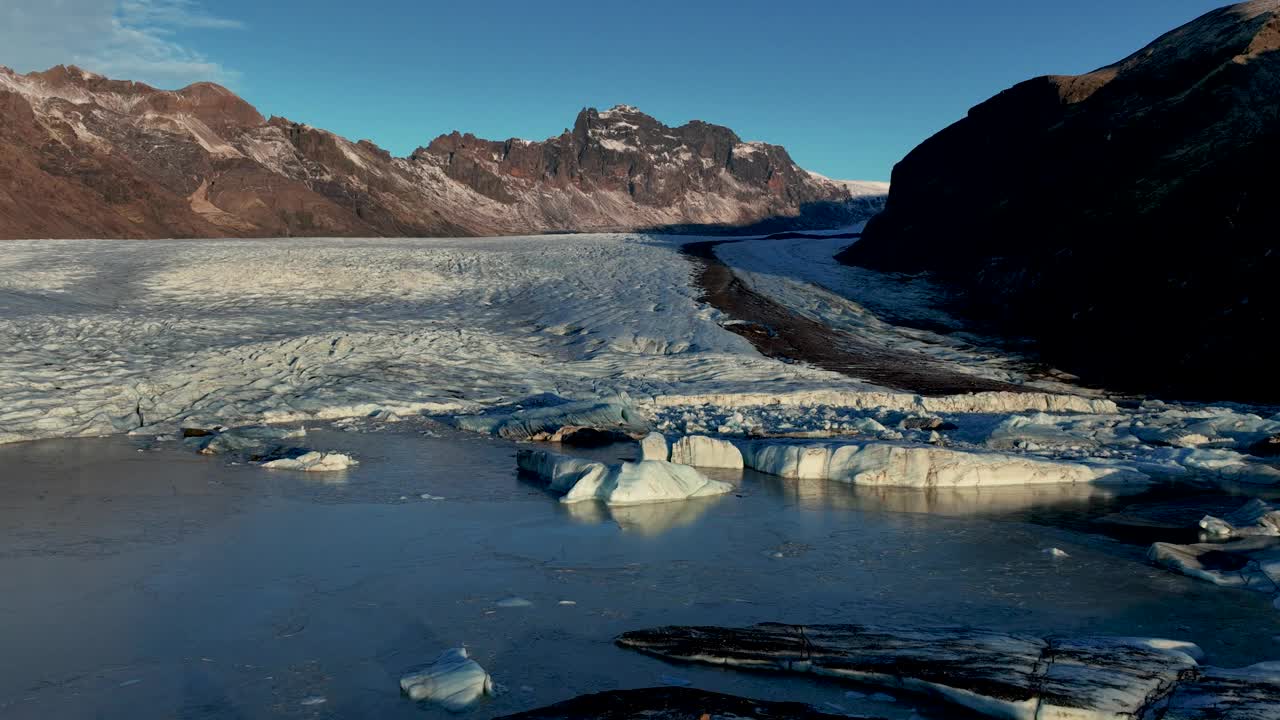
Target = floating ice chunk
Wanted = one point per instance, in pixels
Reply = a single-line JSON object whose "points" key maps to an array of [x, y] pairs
{"points": [[561, 472], [1255, 518], [453, 680], [513, 602], [1019, 677], [627, 483], [247, 440], [653, 481], [524, 424], [1056, 553], [313, 461], [653, 447], [702, 451], [888, 464], [1252, 564]]}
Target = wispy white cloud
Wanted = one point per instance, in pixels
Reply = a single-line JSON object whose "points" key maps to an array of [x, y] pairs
{"points": [[172, 14], [130, 39]]}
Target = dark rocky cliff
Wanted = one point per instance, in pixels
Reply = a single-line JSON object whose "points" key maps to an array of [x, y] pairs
{"points": [[1124, 219]]}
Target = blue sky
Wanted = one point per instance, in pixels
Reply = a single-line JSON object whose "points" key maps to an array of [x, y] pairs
{"points": [[848, 86]]}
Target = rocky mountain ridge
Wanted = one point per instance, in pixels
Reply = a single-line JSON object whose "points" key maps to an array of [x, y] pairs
{"points": [[1121, 219], [82, 155]]}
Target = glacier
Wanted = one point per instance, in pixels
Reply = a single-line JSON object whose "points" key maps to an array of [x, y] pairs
{"points": [[540, 338]]}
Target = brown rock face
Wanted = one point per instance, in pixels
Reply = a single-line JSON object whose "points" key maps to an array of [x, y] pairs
{"points": [[1123, 219], [85, 156]]}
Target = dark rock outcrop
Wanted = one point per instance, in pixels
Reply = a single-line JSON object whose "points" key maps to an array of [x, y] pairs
{"points": [[1123, 219], [666, 703], [85, 156]]}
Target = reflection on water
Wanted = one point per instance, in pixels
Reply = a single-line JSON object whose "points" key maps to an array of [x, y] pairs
{"points": [[1065, 505], [650, 520], [937, 501]]}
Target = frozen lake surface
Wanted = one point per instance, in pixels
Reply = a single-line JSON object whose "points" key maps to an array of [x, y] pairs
{"points": [[162, 583]]}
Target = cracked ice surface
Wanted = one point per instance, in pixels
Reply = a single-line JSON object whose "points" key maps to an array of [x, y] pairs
{"points": [[150, 336], [109, 337], [1001, 675]]}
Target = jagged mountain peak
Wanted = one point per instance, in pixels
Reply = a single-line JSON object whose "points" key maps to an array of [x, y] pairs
{"points": [[130, 160]]}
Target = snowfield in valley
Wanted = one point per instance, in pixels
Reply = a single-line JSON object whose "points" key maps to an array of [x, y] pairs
{"points": [[151, 336]]}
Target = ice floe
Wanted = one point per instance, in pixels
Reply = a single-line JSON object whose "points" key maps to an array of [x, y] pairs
{"points": [[898, 465], [313, 461], [269, 447], [628, 483], [254, 441], [543, 423], [1002, 675], [453, 680], [1256, 518], [1250, 564]]}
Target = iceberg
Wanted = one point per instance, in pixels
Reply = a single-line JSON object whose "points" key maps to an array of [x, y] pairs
{"points": [[653, 447], [703, 451], [313, 461], [530, 423], [926, 466], [251, 440], [453, 680], [628, 483], [1250, 564], [1256, 518]]}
